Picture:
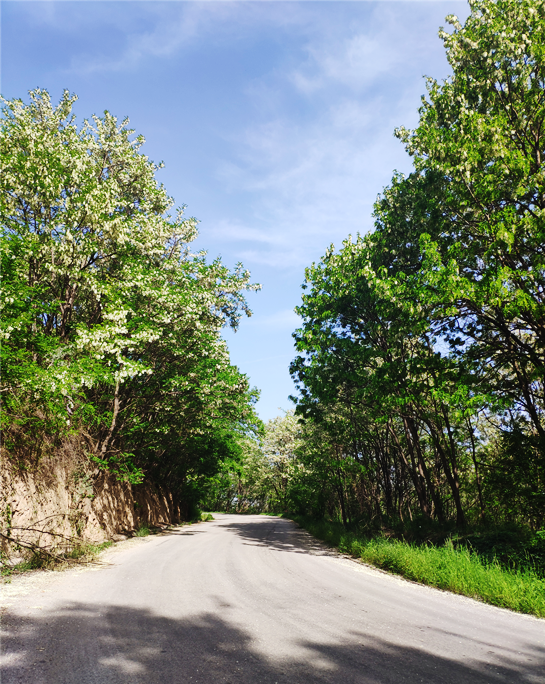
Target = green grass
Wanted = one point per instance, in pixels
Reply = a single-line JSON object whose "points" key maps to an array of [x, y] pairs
{"points": [[142, 531], [459, 570], [206, 517], [87, 551], [8, 570], [80, 553]]}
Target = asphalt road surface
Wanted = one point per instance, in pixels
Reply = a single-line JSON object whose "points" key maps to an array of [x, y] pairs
{"points": [[250, 599]]}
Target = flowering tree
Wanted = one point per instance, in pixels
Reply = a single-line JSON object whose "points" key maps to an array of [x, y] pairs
{"points": [[280, 444], [110, 324]]}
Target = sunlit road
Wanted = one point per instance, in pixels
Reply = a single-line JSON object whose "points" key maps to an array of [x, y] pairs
{"points": [[249, 599]]}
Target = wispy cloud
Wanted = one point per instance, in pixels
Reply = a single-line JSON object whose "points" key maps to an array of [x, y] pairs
{"points": [[169, 29], [238, 232], [356, 63], [314, 184], [173, 26], [132, 31], [312, 177]]}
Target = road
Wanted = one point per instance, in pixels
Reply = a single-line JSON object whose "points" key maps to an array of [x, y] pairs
{"points": [[250, 599]]}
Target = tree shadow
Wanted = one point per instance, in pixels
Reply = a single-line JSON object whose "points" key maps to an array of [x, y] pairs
{"points": [[279, 534], [88, 643]]}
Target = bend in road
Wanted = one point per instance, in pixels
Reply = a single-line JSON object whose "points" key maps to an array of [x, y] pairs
{"points": [[250, 599]]}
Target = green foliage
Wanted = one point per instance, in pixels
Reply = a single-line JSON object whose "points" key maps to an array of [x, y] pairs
{"points": [[422, 345], [459, 570], [111, 326], [241, 485], [262, 479]]}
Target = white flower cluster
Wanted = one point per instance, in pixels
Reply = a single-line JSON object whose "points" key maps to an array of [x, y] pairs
{"points": [[100, 287]]}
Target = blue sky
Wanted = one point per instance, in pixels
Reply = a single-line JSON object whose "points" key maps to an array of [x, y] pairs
{"points": [[274, 119]]}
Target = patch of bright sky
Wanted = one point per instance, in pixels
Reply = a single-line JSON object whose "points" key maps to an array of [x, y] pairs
{"points": [[274, 119]]}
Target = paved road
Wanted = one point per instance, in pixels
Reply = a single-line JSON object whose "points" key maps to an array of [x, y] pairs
{"points": [[250, 599]]}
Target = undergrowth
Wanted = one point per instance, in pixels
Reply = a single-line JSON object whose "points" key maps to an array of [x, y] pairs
{"points": [[453, 566], [43, 560]]}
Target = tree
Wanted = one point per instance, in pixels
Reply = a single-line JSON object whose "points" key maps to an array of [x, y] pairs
{"points": [[367, 352], [483, 131], [282, 437], [427, 337], [111, 325]]}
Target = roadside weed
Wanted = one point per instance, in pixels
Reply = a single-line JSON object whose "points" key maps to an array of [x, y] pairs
{"points": [[459, 570]]}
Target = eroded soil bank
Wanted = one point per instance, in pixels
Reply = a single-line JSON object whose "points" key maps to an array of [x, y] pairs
{"points": [[62, 501]]}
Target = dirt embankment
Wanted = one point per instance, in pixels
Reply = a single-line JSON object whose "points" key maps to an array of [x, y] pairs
{"points": [[62, 501]]}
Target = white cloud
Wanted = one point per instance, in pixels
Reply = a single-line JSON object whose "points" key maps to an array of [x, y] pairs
{"points": [[311, 179], [237, 232], [355, 63], [169, 30], [173, 26], [314, 184], [143, 30]]}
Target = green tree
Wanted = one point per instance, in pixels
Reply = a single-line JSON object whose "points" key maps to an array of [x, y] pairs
{"points": [[482, 130], [365, 351], [428, 336], [111, 326]]}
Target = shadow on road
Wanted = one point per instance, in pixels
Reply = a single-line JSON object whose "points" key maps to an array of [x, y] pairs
{"points": [[279, 534], [86, 643]]}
